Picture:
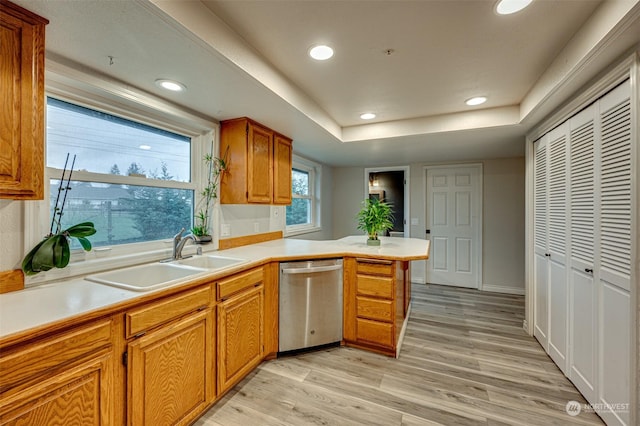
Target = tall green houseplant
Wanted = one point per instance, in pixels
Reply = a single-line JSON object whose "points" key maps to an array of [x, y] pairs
{"points": [[375, 217], [215, 167]]}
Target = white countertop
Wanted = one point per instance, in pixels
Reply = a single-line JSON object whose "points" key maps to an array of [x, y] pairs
{"points": [[49, 303]]}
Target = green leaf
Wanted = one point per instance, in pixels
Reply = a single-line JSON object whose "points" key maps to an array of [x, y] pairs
{"points": [[84, 229], [43, 258], [86, 244], [27, 262], [61, 252]]}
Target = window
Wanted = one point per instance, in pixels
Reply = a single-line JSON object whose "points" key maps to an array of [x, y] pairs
{"points": [[303, 213], [131, 179]]}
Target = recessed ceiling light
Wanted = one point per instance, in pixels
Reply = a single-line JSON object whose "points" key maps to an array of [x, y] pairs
{"points": [[174, 86], [145, 147], [476, 101], [321, 52], [368, 116], [507, 7]]}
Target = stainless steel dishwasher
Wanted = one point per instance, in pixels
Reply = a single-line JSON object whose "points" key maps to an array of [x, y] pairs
{"points": [[310, 304]]}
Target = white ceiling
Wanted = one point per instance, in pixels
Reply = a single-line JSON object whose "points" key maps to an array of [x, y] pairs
{"points": [[250, 58]]}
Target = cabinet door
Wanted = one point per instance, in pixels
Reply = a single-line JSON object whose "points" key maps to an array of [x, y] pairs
{"points": [[282, 152], [240, 336], [170, 372], [259, 167], [22, 103], [82, 395]]}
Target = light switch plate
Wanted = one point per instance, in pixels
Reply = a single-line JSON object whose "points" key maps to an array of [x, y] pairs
{"points": [[226, 230]]}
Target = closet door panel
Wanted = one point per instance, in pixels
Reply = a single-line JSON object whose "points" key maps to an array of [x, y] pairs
{"points": [[615, 253], [557, 240], [583, 296], [541, 263]]}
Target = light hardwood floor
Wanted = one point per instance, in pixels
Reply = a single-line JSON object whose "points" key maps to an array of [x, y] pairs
{"points": [[465, 361]]}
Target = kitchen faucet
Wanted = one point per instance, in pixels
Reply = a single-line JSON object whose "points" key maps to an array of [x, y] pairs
{"points": [[178, 244]]}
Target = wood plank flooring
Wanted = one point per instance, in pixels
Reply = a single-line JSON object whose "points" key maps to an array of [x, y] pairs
{"points": [[465, 361]]}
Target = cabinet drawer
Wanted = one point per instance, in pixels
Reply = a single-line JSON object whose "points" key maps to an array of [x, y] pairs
{"points": [[375, 309], [375, 286], [374, 267], [378, 333], [236, 283], [154, 314], [43, 357]]}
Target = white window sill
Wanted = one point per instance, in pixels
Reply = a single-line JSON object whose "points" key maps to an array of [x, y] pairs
{"points": [[290, 232]]}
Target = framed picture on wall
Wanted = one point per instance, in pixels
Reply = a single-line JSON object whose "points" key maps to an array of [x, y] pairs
{"points": [[377, 194]]}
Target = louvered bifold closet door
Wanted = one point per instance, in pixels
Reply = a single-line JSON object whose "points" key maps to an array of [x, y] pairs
{"points": [[615, 252], [541, 264], [583, 292], [557, 240]]}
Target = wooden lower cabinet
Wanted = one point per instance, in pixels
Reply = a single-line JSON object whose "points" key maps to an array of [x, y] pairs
{"points": [[79, 396], [375, 303], [240, 336], [170, 372], [63, 379]]}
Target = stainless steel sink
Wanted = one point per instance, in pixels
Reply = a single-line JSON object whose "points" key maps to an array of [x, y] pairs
{"points": [[211, 262], [148, 277]]}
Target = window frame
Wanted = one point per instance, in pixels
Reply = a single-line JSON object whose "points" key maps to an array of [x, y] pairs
{"points": [[315, 179], [111, 98]]}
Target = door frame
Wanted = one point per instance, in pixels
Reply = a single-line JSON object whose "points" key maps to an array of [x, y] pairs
{"points": [[407, 188], [479, 166]]}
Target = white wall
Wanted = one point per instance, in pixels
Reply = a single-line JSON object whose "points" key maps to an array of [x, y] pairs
{"points": [[11, 234], [503, 214], [348, 194], [503, 229]]}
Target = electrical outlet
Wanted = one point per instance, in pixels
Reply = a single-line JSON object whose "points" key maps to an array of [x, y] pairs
{"points": [[226, 230], [256, 227]]}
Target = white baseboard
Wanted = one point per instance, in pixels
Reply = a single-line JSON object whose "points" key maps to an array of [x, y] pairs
{"points": [[418, 279], [503, 289]]}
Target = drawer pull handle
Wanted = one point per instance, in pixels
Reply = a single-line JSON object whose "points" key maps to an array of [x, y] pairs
{"points": [[588, 270], [375, 261]]}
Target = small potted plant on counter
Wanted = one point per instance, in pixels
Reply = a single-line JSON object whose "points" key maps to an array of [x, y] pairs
{"points": [[376, 216], [215, 167]]}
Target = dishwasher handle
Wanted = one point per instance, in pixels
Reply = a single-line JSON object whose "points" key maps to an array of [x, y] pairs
{"points": [[311, 270]]}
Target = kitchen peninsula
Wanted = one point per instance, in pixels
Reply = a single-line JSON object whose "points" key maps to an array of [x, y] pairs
{"points": [[71, 341]]}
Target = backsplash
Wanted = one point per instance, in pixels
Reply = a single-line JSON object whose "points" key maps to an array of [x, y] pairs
{"points": [[240, 220], [11, 235]]}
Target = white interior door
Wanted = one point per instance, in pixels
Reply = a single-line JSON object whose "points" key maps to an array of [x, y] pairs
{"points": [[454, 221]]}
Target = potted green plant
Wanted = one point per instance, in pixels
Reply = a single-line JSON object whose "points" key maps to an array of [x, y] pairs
{"points": [[215, 167], [53, 251], [376, 216]]}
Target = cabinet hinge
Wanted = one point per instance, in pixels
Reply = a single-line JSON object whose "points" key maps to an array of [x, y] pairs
{"points": [[246, 129], [125, 359]]}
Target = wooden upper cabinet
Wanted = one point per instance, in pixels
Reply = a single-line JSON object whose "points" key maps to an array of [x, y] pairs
{"points": [[282, 153], [258, 166], [21, 103]]}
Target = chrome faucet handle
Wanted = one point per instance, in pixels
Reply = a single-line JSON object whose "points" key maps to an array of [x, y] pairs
{"points": [[178, 236]]}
